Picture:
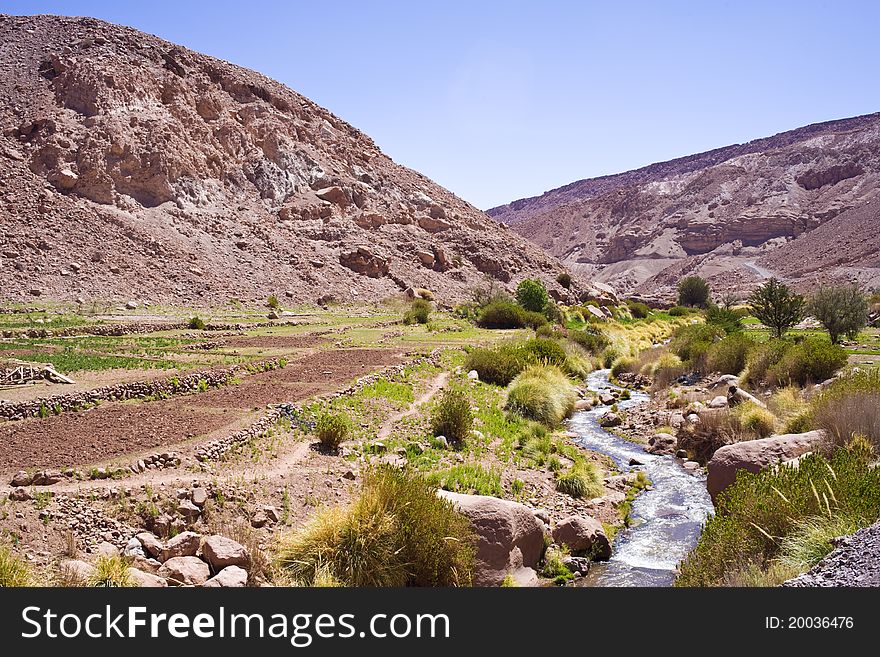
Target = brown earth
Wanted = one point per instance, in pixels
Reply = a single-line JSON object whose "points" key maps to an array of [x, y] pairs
{"points": [[114, 429], [799, 203], [135, 168], [276, 341]]}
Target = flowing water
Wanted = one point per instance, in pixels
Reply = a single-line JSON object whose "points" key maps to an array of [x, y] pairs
{"points": [[667, 518]]}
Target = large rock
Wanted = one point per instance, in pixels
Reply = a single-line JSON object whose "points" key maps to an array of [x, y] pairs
{"points": [[146, 580], [185, 571], [22, 478], [584, 536], [755, 455], [185, 544], [364, 262], [77, 572], [510, 537], [220, 552], [152, 545], [736, 396], [229, 577]]}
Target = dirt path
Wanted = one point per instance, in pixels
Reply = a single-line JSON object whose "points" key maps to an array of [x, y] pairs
{"points": [[436, 386]]}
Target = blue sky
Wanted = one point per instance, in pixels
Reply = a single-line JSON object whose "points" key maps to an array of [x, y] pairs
{"points": [[500, 100]]}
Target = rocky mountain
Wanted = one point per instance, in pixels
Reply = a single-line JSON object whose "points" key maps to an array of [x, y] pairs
{"points": [[802, 205], [135, 168]]}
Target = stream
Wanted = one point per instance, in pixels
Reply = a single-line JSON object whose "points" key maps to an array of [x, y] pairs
{"points": [[667, 518]]}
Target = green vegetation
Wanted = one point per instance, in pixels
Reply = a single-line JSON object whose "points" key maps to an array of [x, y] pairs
{"points": [[532, 295], [502, 364], [14, 571], [398, 532], [453, 416], [842, 310], [469, 478], [780, 512], [729, 355], [592, 339], [638, 309], [508, 315], [754, 419], [850, 407], [580, 480], [554, 566], [777, 307], [419, 312], [272, 301], [728, 319], [692, 342], [564, 279], [196, 323], [542, 393], [332, 429], [111, 572], [811, 361], [694, 292]]}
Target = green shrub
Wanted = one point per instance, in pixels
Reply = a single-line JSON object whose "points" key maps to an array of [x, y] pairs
{"points": [[580, 480], [638, 309], [725, 318], [777, 307], [811, 539], [754, 517], [693, 291], [692, 342], [591, 339], [111, 572], [730, 355], [678, 311], [14, 571], [418, 313], [842, 310], [545, 331], [332, 429], [622, 365], [542, 393], [564, 279], [470, 478], [532, 295], [272, 301], [196, 323], [508, 315], [553, 314], [398, 532], [541, 350], [762, 358], [754, 419], [453, 416], [501, 365], [811, 361], [849, 407], [609, 355]]}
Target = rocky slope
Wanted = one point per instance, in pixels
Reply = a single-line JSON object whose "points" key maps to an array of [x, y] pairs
{"points": [[134, 168], [732, 214], [854, 562]]}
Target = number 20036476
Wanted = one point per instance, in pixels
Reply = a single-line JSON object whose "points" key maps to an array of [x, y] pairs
{"points": [[808, 622]]}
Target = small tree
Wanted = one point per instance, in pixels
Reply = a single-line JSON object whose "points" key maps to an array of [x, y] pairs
{"points": [[272, 301], [531, 294], [777, 307], [564, 279], [842, 310], [693, 291]]}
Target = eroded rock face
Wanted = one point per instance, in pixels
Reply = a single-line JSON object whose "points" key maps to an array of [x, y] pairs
{"points": [[755, 455], [169, 162], [511, 538]]}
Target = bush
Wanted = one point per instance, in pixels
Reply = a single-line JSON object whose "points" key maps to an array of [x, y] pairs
{"points": [[542, 393], [111, 572], [678, 311], [754, 419], [14, 571], [552, 313], [776, 306], [332, 429], [725, 318], [638, 309], [546, 331], [623, 365], [507, 315], [501, 365], [581, 480], [762, 358], [541, 350], [842, 310], [812, 361], [398, 532], [196, 323], [849, 407], [470, 478], [418, 313], [453, 416], [272, 301], [693, 291], [531, 295], [692, 342], [564, 279], [591, 339], [715, 429], [730, 355], [754, 517]]}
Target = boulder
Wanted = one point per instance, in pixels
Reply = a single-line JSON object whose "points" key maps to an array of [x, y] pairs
{"points": [[433, 225], [152, 545], [755, 455], [718, 402], [364, 262], [473, 375], [19, 495], [584, 536], [426, 258], [107, 549], [736, 396], [146, 580], [220, 552], [76, 571], [229, 577], [134, 548], [610, 420], [185, 571], [336, 195], [185, 544], [509, 536], [22, 478], [583, 405], [199, 496]]}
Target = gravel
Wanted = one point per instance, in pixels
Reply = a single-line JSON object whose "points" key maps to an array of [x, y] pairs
{"points": [[855, 562]]}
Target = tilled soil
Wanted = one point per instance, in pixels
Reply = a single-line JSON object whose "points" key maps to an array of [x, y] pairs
{"points": [[114, 429], [276, 341]]}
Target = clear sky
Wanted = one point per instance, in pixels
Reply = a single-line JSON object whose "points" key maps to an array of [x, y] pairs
{"points": [[500, 100]]}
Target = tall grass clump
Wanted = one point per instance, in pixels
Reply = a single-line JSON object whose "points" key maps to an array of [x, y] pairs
{"points": [[502, 364], [729, 355], [419, 312], [582, 479], [763, 358], [453, 417], [542, 393], [196, 323], [14, 571], [763, 512], [754, 419], [850, 406], [592, 339], [111, 572], [398, 532], [332, 429]]}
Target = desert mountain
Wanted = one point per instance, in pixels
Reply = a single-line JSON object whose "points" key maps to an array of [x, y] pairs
{"points": [[803, 205], [134, 168]]}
